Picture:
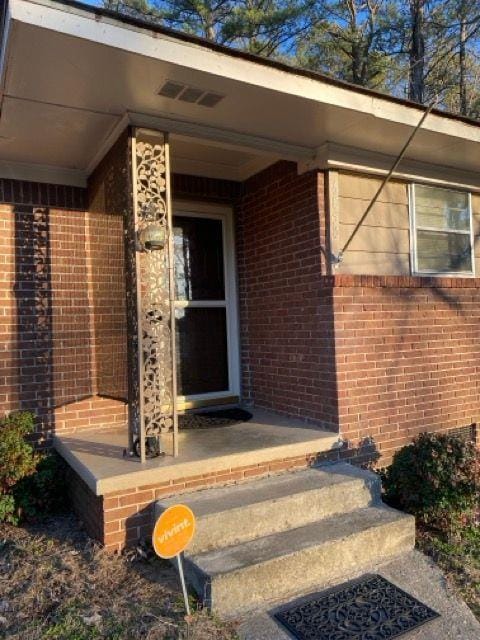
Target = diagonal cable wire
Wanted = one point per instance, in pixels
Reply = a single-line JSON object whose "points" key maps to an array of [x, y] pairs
{"points": [[385, 180]]}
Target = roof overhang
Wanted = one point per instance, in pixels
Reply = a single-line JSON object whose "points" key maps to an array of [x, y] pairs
{"points": [[73, 76]]}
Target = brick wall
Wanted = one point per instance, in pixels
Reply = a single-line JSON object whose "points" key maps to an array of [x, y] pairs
{"points": [[109, 202], [407, 357], [286, 317], [47, 362], [205, 189], [87, 506], [62, 297]]}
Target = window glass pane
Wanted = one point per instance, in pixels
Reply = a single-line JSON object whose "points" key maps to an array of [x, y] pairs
{"points": [[198, 259], [445, 252], [202, 361], [441, 208]]}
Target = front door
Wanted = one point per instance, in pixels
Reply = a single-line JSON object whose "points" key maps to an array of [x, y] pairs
{"points": [[205, 306]]}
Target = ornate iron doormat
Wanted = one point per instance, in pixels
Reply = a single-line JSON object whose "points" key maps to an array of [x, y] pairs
{"points": [[369, 608]]}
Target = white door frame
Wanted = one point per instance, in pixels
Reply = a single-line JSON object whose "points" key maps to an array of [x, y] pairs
{"points": [[224, 213]]}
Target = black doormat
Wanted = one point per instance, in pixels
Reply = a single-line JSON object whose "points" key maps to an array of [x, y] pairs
{"points": [[370, 608], [208, 419]]}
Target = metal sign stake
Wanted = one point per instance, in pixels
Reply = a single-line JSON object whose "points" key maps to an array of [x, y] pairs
{"points": [[182, 580]]}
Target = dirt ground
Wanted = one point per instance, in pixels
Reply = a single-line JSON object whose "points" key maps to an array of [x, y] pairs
{"points": [[56, 583]]}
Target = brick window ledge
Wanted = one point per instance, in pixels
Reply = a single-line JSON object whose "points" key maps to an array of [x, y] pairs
{"points": [[410, 282]]}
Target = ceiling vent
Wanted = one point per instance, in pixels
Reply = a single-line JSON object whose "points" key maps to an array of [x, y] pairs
{"points": [[192, 95], [189, 94], [171, 89], [210, 99]]}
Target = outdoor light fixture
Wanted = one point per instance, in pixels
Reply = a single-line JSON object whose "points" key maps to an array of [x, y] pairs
{"points": [[152, 237]]}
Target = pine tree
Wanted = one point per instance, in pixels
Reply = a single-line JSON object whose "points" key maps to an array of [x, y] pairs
{"points": [[349, 40], [135, 8]]}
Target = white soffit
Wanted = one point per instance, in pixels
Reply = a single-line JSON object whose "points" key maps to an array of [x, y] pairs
{"points": [[71, 77]]}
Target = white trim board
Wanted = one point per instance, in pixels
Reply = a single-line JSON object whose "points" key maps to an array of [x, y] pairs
{"points": [[43, 173], [350, 159], [327, 157], [223, 137]]}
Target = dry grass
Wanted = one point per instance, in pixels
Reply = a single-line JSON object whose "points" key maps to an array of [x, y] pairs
{"points": [[55, 583], [459, 559]]}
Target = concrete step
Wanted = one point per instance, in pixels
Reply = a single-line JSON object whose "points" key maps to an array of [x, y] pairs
{"points": [[237, 579], [231, 515]]}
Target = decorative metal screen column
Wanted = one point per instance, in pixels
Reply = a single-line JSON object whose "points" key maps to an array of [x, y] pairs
{"points": [[150, 302]]}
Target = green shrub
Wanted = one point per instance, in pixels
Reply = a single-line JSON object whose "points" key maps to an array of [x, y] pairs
{"points": [[31, 484], [42, 493], [7, 509], [436, 479], [18, 459]]}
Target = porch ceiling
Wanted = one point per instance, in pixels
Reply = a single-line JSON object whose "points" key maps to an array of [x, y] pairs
{"points": [[71, 79]]}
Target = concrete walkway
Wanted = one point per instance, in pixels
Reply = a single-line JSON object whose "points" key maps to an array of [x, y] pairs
{"points": [[418, 576]]}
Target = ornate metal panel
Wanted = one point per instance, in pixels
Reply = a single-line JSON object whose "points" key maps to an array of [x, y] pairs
{"points": [[151, 325]]}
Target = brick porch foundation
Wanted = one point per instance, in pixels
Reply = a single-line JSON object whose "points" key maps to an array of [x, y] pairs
{"points": [[124, 518]]}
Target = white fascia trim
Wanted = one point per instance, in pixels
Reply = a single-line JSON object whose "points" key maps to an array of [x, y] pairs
{"points": [[266, 150], [141, 41], [332, 156], [231, 139], [43, 173]]}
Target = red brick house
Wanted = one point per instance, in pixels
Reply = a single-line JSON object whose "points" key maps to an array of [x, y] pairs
{"points": [[172, 216]]}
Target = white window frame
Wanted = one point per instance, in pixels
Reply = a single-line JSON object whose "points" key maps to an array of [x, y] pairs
{"points": [[413, 235], [225, 215]]}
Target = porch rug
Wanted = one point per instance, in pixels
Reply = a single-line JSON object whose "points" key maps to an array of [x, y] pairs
{"points": [[370, 608], [209, 419]]}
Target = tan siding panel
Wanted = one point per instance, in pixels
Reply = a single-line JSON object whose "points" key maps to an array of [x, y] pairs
{"points": [[376, 239], [375, 264], [383, 214], [381, 246], [476, 223], [365, 187], [476, 204]]}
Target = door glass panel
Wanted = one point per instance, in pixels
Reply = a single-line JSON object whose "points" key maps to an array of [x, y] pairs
{"points": [[199, 271], [202, 363]]}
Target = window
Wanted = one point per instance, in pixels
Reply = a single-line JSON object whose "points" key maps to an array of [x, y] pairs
{"points": [[441, 229]]}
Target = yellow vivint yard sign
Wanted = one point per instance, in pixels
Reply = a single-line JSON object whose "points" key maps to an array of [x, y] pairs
{"points": [[173, 531], [172, 534]]}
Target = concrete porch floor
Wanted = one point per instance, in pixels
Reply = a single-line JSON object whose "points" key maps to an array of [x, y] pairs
{"points": [[97, 456]]}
